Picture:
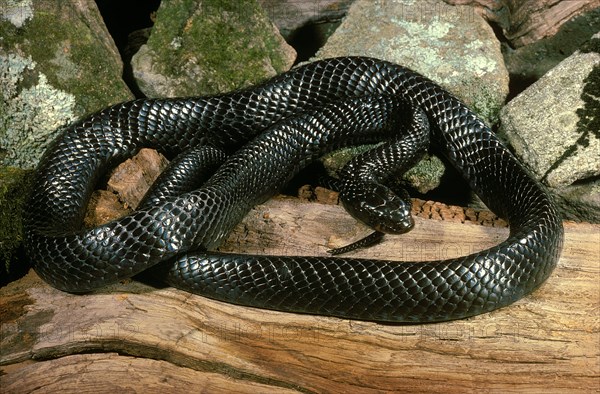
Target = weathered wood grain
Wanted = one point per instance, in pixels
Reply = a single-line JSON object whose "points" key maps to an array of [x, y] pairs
{"points": [[114, 373], [527, 21], [143, 339]]}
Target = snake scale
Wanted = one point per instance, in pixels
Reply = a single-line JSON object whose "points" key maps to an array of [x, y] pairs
{"points": [[270, 131]]}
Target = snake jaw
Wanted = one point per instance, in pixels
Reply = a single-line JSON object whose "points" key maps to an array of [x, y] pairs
{"points": [[381, 209], [402, 226]]}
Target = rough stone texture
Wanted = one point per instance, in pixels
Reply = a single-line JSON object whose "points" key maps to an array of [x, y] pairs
{"points": [[209, 47], [580, 202], [543, 124], [454, 46], [57, 63], [554, 127], [537, 34], [306, 24]]}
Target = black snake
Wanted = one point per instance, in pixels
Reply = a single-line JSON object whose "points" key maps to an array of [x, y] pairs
{"points": [[271, 131]]}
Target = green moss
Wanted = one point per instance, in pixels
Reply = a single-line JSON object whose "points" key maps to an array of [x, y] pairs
{"points": [[426, 175], [228, 43], [58, 40], [423, 176], [486, 104], [15, 185], [53, 70]]}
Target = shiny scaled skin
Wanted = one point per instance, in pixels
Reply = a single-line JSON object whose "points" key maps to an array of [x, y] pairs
{"points": [[289, 120]]}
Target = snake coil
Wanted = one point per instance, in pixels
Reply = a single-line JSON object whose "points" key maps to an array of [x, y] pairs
{"points": [[271, 131]]}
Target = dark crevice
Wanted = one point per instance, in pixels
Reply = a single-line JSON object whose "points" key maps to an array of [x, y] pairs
{"points": [[499, 33], [586, 181], [517, 84], [308, 39], [121, 19], [18, 266]]}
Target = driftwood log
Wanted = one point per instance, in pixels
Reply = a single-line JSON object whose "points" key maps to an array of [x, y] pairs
{"points": [[138, 338]]}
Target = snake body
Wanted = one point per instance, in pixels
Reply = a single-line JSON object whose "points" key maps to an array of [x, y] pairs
{"points": [[271, 131]]}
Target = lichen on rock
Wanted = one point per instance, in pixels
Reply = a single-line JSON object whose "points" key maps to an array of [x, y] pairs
{"points": [[452, 45], [17, 12], [57, 64], [31, 116]]}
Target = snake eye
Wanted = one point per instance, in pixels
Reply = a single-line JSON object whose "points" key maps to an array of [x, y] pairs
{"points": [[382, 210]]}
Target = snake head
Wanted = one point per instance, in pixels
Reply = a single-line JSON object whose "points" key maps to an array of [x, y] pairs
{"points": [[381, 209]]}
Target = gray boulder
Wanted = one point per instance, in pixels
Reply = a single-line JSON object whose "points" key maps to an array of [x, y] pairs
{"points": [[452, 45], [57, 64], [208, 47], [554, 127]]}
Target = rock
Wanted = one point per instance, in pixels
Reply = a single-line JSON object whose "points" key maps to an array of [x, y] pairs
{"points": [[306, 24], [135, 40], [530, 62], [537, 34], [57, 63], [580, 202], [208, 47], [451, 45], [554, 127], [426, 175]]}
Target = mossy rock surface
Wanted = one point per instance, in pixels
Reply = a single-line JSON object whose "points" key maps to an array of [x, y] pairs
{"points": [[57, 64], [209, 47], [15, 185]]}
